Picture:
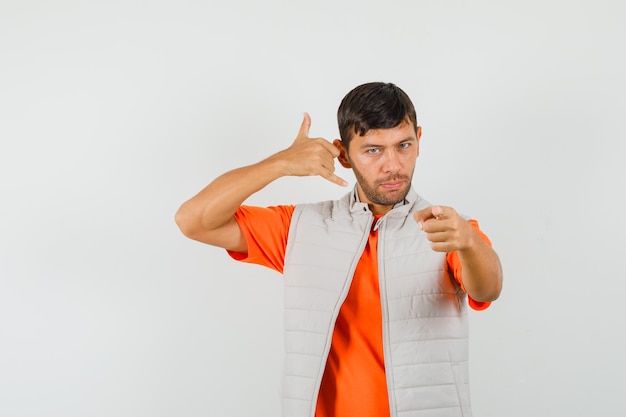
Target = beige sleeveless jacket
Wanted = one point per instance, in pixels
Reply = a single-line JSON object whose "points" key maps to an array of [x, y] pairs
{"points": [[425, 329]]}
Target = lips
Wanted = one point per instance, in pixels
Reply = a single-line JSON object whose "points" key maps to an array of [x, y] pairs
{"points": [[392, 185]]}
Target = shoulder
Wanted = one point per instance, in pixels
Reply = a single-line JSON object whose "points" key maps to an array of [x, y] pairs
{"points": [[327, 208]]}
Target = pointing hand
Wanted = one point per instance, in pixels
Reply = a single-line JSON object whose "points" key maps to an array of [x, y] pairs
{"points": [[445, 229]]}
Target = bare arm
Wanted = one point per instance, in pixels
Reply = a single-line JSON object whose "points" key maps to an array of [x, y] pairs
{"points": [[482, 272], [208, 216]]}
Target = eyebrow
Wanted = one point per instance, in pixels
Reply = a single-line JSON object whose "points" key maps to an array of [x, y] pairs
{"points": [[372, 145]]}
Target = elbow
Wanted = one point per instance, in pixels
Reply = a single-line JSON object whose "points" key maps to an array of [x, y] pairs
{"points": [[485, 296], [183, 221], [488, 293]]}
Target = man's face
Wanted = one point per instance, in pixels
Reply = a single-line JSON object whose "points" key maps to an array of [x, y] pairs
{"points": [[383, 161]]}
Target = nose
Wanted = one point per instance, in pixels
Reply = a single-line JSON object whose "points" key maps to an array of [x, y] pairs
{"points": [[391, 161]]}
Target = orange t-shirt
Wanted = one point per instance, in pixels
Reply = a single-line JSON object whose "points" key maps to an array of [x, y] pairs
{"points": [[354, 382]]}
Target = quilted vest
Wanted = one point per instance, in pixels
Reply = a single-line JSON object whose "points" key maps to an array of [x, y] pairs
{"points": [[425, 325]]}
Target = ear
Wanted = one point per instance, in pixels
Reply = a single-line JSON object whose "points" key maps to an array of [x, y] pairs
{"points": [[419, 135], [343, 154]]}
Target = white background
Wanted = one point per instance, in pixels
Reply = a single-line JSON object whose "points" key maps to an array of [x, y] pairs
{"points": [[112, 113]]}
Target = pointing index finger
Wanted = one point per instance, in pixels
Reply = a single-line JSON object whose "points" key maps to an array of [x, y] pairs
{"points": [[424, 214], [438, 212]]}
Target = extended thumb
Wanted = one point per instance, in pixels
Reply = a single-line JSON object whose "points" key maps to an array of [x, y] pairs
{"points": [[305, 126]]}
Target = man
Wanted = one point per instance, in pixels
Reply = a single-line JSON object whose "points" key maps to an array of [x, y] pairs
{"points": [[375, 283]]}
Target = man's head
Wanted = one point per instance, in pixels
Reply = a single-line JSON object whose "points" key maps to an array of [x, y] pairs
{"points": [[379, 142], [373, 106]]}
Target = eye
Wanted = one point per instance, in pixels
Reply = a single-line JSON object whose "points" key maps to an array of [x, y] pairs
{"points": [[405, 145], [373, 151]]}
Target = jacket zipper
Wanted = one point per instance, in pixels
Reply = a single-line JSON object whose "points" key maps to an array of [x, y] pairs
{"points": [[385, 315]]}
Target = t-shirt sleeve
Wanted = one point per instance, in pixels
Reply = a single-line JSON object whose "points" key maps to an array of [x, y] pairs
{"points": [[454, 265], [266, 230]]}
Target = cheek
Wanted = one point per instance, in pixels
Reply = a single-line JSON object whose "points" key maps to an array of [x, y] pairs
{"points": [[410, 159], [366, 166]]}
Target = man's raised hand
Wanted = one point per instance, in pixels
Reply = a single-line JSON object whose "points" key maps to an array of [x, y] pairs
{"points": [[310, 156]]}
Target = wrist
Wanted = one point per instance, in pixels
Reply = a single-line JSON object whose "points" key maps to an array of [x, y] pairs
{"points": [[275, 166]]}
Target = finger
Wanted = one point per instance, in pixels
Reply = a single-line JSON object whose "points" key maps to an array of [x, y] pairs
{"points": [[444, 212], [422, 215], [329, 173], [437, 236], [335, 179], [433, 226], [328, 164], [441, 247], [438, 212], [332, 149], [304, 127]]}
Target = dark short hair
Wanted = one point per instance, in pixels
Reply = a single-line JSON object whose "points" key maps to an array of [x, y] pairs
{"points": [[374, 105]]}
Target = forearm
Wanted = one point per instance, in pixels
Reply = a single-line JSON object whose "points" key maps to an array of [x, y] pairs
{"points": [[216, 204], [208, 216], [481, 271]]}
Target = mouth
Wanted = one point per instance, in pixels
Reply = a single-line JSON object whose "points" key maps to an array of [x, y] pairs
{"points": [[392, 185]]}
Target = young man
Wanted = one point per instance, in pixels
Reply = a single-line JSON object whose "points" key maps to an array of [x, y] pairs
{"points": [[375, 283]]}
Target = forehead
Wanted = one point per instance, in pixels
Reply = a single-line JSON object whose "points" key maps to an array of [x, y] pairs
{"points": [[404, 131]]}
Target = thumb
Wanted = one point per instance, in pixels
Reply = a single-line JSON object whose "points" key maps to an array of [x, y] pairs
{"points": [[424, 214], [304, 127]]}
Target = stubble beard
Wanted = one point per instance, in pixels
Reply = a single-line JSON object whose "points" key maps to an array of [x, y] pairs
{"points": [[389, 198]]}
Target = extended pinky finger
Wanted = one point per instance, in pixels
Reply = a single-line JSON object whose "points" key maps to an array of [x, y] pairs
{"points": [[335, 179]]}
